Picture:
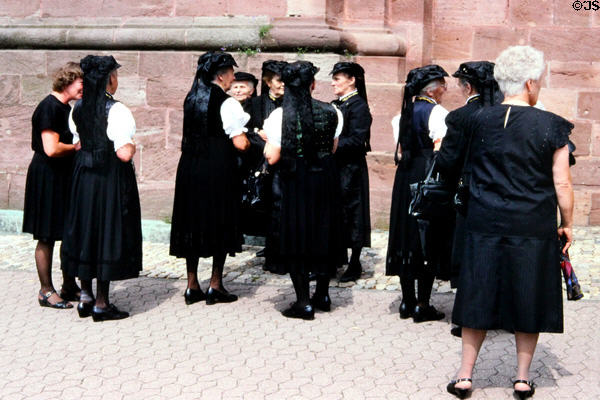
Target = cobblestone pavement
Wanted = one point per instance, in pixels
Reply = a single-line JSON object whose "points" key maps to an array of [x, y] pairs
{"points": [[247, 350]]}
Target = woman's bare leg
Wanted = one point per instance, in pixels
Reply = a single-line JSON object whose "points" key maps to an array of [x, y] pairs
{"points": [[471, 344]]}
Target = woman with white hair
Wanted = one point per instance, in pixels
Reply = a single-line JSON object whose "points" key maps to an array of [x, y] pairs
{"points": [[510, 273]]}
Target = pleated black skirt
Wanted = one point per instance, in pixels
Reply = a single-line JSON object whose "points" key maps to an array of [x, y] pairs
{"points": [[510, 283], [206, 209], [103, 233], [47, 196], [356, 219], [309, 239]]}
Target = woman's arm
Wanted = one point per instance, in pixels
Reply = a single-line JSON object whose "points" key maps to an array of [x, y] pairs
{"points": [[564, 193], [52, 146], [272, 153], [126, 152]]}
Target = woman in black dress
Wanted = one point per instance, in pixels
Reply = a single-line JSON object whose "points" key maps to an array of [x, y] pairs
{"points": [[301, 138], [510, 272], [264, 219], [207, 187], [48, 181], [103, 230], [421, 130], [480, 89], [348, 82]]}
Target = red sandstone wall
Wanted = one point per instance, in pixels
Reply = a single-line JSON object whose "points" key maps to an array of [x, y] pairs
{"points": [[447, 32], [468, 30]]}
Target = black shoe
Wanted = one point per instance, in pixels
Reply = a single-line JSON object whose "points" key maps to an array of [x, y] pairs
{"points": [[108, 313], [428, 313], [214, 296], [456, 331], [406, 310], [260, 253], [352, 273], [85, 309], [323, 303], [523, 394], [303, 312], [193, 296], [45, 302], [458, 392]]}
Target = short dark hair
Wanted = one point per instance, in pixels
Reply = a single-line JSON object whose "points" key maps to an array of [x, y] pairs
{"points": [[66, 75], [222, 71]]}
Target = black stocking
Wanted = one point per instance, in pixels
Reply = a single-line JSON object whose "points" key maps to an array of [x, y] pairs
{"points": [[407, 283], [216, 279], [425, 285], [87, 294], [192, 273], [322, 289], [43, 262], [102, 287], [355, 258], [301, 286]]}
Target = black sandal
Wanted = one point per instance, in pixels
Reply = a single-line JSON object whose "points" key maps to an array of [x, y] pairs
{"points": [[44, 302], [523, 394], [461, 393]]}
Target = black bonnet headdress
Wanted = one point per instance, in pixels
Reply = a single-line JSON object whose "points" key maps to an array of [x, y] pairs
{"points": [[480, 74], [416, 80], [355, 70], [297, 112]]}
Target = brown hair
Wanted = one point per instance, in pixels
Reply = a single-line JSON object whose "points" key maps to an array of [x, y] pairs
{"points": [[66, 75]]}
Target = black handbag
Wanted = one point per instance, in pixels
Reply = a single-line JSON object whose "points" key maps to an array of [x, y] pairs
{"points": [[255, 186], [431, 198]]}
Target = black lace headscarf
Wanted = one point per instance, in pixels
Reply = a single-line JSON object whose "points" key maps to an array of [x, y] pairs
{"points": [[480, 74], [355, 70], [416, 80], [195, 106], [298, 123], [91, 113], [273, 66]]}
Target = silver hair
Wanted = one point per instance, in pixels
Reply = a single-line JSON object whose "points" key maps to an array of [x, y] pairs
{"points": [[434, 84], [515, 66]]}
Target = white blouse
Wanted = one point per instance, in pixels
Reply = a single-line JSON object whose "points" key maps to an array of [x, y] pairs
{"points": [[234, 118], [272, 126], [120, 128]]}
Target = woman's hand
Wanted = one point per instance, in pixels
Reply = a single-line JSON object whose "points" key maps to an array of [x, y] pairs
{"points": [[126, 152], [77, 146], [567, 235], [262, 134], [240, 142]]}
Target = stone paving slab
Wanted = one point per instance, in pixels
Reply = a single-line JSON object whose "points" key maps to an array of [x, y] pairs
{"points": [[247, 350], [17, 251]]}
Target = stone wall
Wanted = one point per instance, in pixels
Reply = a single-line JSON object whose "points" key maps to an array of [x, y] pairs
{"points": [[158, 42], [466, 30]]}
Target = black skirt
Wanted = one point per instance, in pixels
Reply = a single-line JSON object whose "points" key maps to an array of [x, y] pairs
{"points": [[310, 216], [103, 233], [356, 219], [46, 196], [404, 243], [511, 283], [207, 203]]}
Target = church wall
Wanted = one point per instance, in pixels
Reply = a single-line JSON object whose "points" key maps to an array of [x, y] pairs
{"points": [[154, 83]]}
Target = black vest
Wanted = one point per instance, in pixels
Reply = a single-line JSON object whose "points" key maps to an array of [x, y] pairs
{"points": [[325, 122], [420, 126], [96, 147], [204, 124]]}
